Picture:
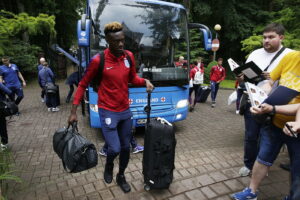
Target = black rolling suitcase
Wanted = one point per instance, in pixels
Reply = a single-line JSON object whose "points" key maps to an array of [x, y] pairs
{"points": [[203, 93], [57, 96], [159, 152]]}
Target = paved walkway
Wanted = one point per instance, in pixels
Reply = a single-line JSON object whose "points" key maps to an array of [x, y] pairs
{"points": [[208, 156]]}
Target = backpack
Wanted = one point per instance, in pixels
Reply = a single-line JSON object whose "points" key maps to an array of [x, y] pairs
{"points": [[77, 153], [97, 79], [8, 107], [198, 79]]}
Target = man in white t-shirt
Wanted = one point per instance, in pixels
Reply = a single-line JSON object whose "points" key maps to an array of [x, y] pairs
{"points": [[267, 58]]}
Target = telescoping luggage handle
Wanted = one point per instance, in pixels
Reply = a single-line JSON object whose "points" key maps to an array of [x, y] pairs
{"points": [[148, 107]]}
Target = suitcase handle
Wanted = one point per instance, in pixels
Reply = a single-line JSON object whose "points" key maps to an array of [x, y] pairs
{"points": [[148, 107], [164, 121]]}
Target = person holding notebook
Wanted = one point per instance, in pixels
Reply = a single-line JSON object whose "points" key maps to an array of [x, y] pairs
{"points": [[273, 135], [267, 58]]}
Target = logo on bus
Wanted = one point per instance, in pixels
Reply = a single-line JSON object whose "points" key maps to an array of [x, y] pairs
{"points": [[130, 101], [163, 99], [153, 100]]}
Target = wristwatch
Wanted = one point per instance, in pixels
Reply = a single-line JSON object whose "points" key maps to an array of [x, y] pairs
{"points": [[273, 112]]}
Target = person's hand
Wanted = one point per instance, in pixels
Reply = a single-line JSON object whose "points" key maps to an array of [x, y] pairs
{"points": [[294, 126], [262, 109], [24, 83], [73, 115], [72, 118], [149, 86], [266, 75], [240, 78]]}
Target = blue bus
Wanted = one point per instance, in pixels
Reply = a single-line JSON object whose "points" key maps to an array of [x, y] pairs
{"points": [[157, 33]]}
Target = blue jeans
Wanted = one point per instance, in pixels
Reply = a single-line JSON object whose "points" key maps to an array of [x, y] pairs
{"points": [[272, 139], [251, 140], [214, 90]]}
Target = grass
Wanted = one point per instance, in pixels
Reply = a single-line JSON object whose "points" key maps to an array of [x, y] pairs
{"points": [[5, 171], [227, 84]]}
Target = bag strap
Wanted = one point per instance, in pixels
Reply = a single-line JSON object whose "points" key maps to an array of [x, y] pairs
{"points": [[97, 79], [274, 58]]}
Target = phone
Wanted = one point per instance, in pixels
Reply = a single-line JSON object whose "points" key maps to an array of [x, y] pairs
{"points": [[291, 131]]}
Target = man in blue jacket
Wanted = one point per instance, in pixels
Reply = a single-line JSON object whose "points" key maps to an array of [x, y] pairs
{"points": [[10, 76]]}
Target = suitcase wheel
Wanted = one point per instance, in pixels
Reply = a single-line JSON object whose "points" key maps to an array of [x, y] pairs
{"points": [[147, 187]]}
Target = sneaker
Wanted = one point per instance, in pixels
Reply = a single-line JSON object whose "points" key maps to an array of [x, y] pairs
{"points": [[244, 171], [18, 113], [56, 109], [246, 194], [49, 109], [121, 181], [108, 173], [191, 109], [102, 152], [213, 104], [237, 112], [138, 149], [3, 146], [42, 100]]}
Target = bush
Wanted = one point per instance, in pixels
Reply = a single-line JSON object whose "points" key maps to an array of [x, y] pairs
{"points": [[24, 56], [5, 171], [207, 71]]}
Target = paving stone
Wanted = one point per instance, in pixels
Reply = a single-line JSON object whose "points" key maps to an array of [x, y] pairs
{"points": [[220, 188], [195, 195], [178, 197], [208, 192], [209, 154]]}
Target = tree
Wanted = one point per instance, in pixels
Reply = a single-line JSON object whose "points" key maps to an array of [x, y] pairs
{"points": [[12, 44], [288, 16]]}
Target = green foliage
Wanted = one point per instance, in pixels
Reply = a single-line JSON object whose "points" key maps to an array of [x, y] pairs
{"points": [[207, 71], [13, 24], [288, 16], [227, 84], [24, 56], [196, 45], [252, 43], [5, 170], [12, 28]]}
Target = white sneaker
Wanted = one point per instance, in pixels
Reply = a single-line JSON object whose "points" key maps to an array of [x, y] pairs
{"points": [[55, 109], [244, 171], [49, 109], [3, 146], [237, 112], [42, 100]]}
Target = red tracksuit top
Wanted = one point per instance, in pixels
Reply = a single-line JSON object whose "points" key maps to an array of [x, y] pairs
{"points": [[113, 89], [217, 73], [195, 69]]}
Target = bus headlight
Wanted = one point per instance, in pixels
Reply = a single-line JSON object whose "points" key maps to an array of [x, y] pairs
{"points": [[94, 107], [182, 103]]}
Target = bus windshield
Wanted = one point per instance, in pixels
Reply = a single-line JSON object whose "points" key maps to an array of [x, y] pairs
{"points": [[156, 34]]}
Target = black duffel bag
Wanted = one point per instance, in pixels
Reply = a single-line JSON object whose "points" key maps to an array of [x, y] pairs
{"points": [[77, 153], [8, 107], [51, 87]]}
